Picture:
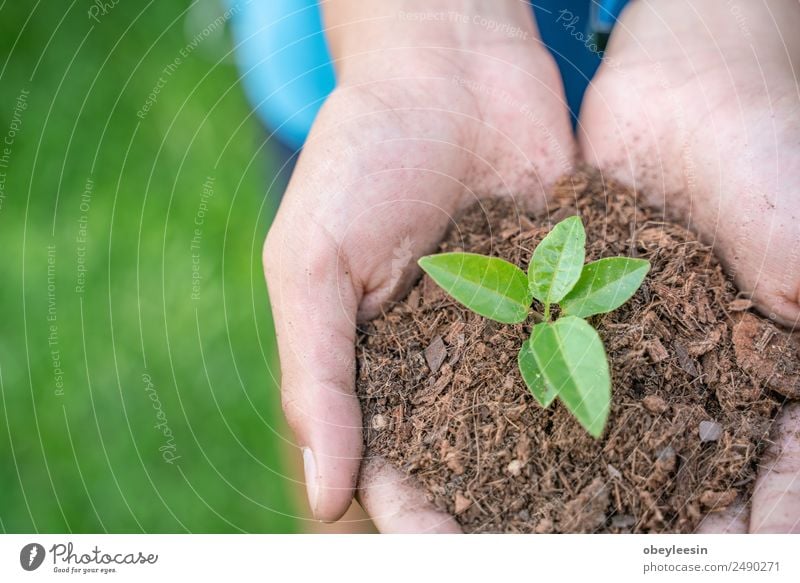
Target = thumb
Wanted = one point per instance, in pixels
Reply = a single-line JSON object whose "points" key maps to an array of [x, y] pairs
{"points": [[776, 499], [397, 504], [314, 306]]}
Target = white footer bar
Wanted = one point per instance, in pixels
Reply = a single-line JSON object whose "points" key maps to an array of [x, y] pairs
{"points": [[411, 559]]}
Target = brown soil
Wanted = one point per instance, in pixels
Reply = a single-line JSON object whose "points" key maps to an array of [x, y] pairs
{"points": [[697, 378]]}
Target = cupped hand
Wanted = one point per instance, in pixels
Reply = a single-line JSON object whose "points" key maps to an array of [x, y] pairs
{"points": [[697, 105], [410, 136]]}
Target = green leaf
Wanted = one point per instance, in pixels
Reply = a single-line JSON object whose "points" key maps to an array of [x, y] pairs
{"points": [[557, 261], [489, 286], [571, 357], [533, 377], [604, 286]]}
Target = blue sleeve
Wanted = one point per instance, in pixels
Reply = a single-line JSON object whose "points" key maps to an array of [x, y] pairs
{"points": [[287, 73], [284, 63]]}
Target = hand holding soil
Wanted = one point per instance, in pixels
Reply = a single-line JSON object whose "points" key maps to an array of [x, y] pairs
{"points": [[696, 380], [411, 138], [396, 152], [697, 107]]}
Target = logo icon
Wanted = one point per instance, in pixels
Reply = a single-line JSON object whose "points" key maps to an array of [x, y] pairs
{"points": [[31, 556]]}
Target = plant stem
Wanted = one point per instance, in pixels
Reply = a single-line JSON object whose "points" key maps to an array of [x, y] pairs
{"points": [[547, 312]]}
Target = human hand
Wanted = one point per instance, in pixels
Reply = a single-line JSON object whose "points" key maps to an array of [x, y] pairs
{"points": [[697, 105], [427, 116]]}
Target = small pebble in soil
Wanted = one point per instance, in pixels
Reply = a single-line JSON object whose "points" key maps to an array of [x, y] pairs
{"points": [[666, 458], [514, 467], [710, 431], [622, 521], [379, 422]]}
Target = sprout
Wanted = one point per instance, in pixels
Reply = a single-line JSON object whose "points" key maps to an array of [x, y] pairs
{"points": [[563, 358]]}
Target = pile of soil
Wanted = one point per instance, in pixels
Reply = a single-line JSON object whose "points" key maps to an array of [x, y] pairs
{"points": [[697, 378]]}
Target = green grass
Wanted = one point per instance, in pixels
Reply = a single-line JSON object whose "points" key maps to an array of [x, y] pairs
{"points": [[88, 459]]}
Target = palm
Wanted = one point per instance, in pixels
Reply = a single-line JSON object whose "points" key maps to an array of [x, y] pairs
{"points": [[710, 133], [386, 167], [715, 148]]}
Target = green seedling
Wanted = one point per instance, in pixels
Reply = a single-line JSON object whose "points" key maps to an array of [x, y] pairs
{"points": [[565, 357]]}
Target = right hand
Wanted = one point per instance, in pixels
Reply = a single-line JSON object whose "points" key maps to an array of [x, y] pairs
{"points": [[696, 106], [409, 137]]}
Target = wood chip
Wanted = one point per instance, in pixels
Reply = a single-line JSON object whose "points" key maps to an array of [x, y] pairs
{"points": [[710, 342], [435, 354], [461, 503], [740, 305], [716, 501], [656, 351], [684, 360], [655, 404]]}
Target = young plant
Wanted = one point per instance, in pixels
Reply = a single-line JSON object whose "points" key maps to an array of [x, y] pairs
{"points": [[563, 358]]}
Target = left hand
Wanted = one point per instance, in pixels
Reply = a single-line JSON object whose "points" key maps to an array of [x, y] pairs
{"points": [[697, 103], [428, 114]]}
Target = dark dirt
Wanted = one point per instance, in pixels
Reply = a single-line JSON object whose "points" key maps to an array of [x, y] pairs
{"points": [[697, 378]]}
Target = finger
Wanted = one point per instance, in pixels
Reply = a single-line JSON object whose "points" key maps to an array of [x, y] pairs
{"points": [[396, 503], [732, 520], [776, 500], [314, 306]]}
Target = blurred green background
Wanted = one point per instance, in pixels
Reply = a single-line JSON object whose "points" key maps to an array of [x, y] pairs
{"points": [[137, 347]]}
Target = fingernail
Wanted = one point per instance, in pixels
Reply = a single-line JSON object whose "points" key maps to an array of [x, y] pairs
{"points": [[312, 483]]}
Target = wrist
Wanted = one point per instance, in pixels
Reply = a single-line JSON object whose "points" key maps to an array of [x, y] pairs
{"points": [[722, 26], [386, 37]]}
